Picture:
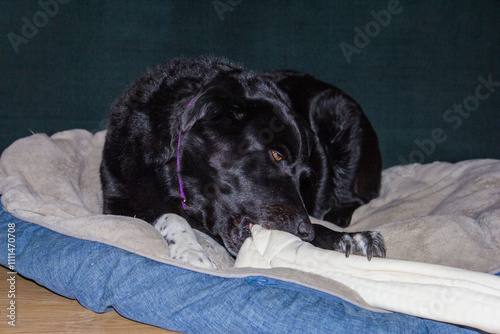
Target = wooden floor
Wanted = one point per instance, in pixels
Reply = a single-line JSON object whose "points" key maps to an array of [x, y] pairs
{"points": [[38, 310]]}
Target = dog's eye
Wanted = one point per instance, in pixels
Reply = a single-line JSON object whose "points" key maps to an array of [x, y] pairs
{"points": [[277, 156]]}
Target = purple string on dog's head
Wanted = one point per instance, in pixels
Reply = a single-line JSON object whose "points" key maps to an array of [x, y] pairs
{"points": [[181, 187]]}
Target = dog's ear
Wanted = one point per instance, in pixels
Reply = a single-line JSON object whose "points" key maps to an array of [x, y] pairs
{"points": [[192, 113], [210, 106], [197, 109], [221, 96]]}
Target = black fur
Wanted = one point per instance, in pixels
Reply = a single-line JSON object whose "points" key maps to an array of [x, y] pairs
{"points": [[232, 120]]}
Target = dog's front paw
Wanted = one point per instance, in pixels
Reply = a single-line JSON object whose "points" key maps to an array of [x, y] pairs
{"points": [[182, 242], [362, 243]]}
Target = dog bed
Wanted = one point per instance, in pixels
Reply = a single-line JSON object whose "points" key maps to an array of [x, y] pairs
{"points": [[443, 214]]}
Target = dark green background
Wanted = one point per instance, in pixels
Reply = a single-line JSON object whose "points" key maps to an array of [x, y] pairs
{"points": [[424, 61]]}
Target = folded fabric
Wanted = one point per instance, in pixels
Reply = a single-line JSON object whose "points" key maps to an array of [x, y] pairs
{"points": [[425, 290]]}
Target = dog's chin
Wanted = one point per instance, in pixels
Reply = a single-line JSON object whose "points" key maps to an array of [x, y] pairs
{"points": [[236, 236]]}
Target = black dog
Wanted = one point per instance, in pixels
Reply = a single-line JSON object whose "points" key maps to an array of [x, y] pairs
{"points": [[226, 148]]}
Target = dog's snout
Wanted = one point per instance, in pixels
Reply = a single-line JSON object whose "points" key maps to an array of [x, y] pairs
{"points": [[306, 231]]}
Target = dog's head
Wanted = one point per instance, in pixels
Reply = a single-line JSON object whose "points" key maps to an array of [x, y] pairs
{"points": [[242, 155]]}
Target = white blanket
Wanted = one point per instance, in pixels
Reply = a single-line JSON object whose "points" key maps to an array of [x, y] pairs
{"points": [[424, 290], [440, 213]]}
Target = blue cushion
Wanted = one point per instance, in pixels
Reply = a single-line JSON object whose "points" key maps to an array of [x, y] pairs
{"points": [[103, 277]]}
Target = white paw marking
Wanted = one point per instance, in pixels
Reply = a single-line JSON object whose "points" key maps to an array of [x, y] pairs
{"points": [[360, 243], [182, 242]]}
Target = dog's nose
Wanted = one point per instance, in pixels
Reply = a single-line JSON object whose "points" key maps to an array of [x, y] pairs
{"points": [[306, 231]]}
